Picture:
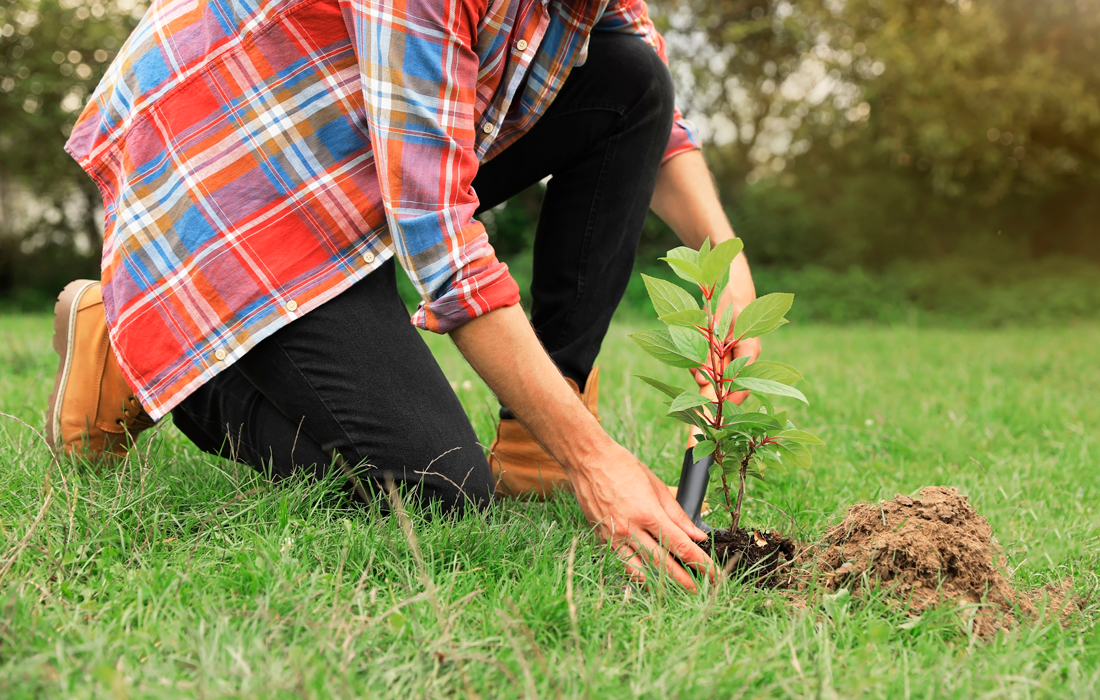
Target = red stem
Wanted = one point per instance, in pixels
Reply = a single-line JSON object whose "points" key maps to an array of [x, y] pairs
{"points": [[716, 348]]}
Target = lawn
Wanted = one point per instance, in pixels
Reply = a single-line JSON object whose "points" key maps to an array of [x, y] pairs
{"points": [[180, 575]]}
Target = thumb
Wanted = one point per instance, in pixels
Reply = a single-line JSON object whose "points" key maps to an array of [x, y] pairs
{"points": [[749, 347], [677, 514]]}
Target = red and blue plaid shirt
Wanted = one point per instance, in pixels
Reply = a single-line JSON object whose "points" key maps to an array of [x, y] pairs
{"points": [[258, 158]]}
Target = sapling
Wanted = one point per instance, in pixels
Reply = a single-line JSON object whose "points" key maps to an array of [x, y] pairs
{"points": [[741, 443]]}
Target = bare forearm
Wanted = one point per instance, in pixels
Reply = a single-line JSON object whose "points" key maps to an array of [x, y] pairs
{"points": [[686, 200], [503, 349]]}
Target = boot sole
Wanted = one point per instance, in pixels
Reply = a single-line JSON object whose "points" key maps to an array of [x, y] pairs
{"points": [[64, 329]]}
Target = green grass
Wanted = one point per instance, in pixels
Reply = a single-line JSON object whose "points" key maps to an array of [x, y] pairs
{"points": [[180, 575]]}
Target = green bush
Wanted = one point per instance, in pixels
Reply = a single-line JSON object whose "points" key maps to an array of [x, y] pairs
{"points": [[950, 292]]}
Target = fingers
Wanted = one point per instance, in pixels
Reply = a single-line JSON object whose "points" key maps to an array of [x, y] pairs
{"points": [[673, 558], [672, 541], [675, 540], [649, 555], [708, 391], [635, 565], [641, 553], [675, 512], [699, 378]]}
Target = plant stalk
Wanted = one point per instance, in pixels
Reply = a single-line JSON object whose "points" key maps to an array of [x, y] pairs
{"points": [[719, 392], [726, 490], [741, 474]]}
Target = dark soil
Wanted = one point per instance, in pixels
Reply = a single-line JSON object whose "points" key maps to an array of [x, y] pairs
{"points": [[926, 551], [757, 554], [919, 552]]}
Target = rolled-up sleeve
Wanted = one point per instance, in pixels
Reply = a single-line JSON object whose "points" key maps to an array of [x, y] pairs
{"points": [[632, 17], [419, 75]]}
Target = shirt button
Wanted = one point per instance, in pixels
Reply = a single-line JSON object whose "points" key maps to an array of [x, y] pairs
{"points": [[368, 257], [487, 128], [220, 354], [292, 305], [521, 44]]}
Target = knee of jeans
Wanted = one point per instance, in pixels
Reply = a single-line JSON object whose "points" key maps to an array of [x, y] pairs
{"points": [[460, 481], [639, 65], [661, 96]]}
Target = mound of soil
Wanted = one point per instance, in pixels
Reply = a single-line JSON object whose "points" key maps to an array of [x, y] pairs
{"points": [[926, 550], [758, 554]]}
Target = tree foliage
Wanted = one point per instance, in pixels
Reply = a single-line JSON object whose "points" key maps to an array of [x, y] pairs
{"points": [[52, 55], [873, 129], [841, 132]]}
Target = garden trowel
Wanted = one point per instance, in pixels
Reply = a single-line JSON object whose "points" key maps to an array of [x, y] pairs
{"points": [[693, 488]]}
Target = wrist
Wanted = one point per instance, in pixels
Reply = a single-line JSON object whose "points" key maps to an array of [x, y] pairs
{"points": [[583, 447], [741, 291]]}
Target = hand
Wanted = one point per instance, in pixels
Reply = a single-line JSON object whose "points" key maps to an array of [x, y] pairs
{"points": [[627, 503], [635, 512]]}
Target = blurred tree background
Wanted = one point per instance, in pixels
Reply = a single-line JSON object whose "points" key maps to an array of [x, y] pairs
{"points": [[882, 158], [52, 55]]}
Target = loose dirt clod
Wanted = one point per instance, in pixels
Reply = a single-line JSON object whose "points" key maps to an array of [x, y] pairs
{"points": [[758, 553], [926, 550]]}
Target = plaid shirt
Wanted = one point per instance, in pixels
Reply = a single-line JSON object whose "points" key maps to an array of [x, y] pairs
{"points": [[258, 158]]}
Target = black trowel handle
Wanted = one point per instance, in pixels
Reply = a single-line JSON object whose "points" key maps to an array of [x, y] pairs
{"points": [[693, 488]]}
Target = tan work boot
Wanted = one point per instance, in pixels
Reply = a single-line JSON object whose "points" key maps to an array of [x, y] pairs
{"points": [[521, 467], [93, 412]]}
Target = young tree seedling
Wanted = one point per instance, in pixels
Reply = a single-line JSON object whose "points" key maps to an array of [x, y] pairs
{"points": [[742, 443]]}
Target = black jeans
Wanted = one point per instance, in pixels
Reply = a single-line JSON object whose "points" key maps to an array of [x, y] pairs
{"points": [[354, 379]]}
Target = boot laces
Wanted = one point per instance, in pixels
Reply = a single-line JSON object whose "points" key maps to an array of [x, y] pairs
{"points": [[136, 421]]}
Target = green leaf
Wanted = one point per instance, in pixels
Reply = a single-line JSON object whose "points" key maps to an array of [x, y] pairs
{"points": [[716, 494], [731, 408], [667, 389], [688, 400], [752, 420], [799, 436], [667, 297], [685, 269], [689, 343], [689, 417], [719, 260], [735, 366], [660, 345], [723, 282], [767, 404], [711, 434], [722, 330], [685, 253], [767, 386], [688, 317], [704, 251], [763, 315], [702, 449], [775, 371], [795, 454], [767, 459]]}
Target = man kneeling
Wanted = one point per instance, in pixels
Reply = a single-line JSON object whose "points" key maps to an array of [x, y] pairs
{"points": [[258, 183]]}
